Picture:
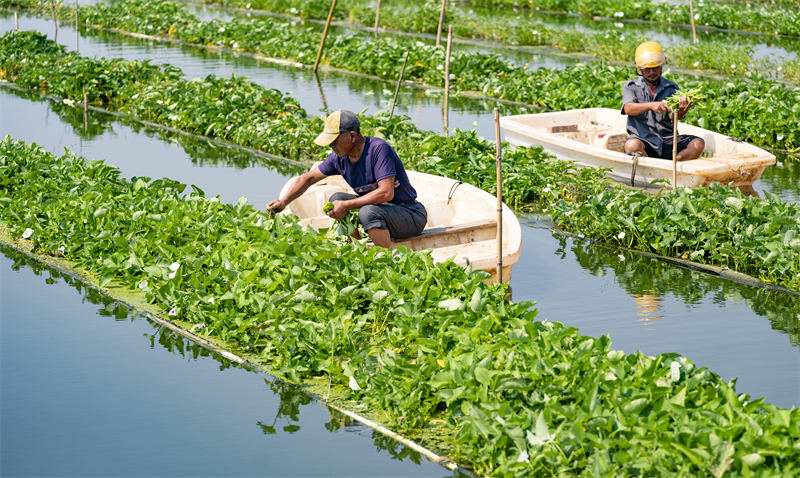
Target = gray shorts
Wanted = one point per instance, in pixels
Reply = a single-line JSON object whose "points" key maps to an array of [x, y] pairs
{"points": [[403, 220]]}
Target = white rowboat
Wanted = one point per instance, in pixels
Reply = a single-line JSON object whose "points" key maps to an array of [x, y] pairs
{"points": [[595, 137], [462, 220]]}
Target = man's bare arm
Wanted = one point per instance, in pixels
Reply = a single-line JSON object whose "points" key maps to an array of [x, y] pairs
{"points": [[298, 187]]}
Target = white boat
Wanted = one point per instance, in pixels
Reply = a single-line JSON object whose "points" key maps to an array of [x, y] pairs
{"points": [[595, 137], [462, 220]]}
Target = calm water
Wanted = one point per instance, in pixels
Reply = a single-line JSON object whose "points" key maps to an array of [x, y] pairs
{"points": [[91, 389]]}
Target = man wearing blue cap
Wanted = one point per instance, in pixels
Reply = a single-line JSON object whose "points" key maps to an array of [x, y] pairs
{"points": [[387, 203]]}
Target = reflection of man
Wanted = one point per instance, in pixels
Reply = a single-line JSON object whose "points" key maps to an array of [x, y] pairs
{"points": [[650, 130], [387, 203]]}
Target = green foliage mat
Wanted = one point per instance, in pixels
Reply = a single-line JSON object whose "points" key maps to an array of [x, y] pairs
{"points": [[430, 343], [751, 108]]}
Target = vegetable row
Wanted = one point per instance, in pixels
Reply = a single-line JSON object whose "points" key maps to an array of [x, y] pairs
{"points": [[714, 226], [749, 17], [429, 342], [752, 108], [518, 28]]}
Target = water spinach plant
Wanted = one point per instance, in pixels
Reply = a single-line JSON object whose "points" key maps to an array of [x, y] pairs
{"points": [[527, 28], [428, 342], [246, 114], [752, 108]]}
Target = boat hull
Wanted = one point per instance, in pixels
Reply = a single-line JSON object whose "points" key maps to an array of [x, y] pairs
{"points": [[594, 137], [462, 221]]}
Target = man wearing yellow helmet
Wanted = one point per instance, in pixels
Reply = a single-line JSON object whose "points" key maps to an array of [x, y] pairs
{"points": [[650, 126]]}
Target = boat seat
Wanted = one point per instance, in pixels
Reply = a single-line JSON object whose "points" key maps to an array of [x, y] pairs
{"points": [[451, 230]]}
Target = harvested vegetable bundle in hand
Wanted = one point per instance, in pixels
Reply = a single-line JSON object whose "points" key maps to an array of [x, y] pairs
{"points": [[345, 227], [696, 98]]}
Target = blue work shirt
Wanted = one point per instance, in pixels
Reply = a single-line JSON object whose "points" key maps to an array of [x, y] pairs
{"points": [[651, 127], [377, 161]]}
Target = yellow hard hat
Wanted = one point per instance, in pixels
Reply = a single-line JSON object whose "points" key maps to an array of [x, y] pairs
{"points": [[649, 55]]}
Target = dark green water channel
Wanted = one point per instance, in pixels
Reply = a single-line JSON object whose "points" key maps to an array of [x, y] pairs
{"points": [[90, 388]]}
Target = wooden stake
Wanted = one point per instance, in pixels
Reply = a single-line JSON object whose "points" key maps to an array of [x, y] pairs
{"points": [[675, 149], [397, 88], [691, 15], [446, 110], [377, 18], [55, 23], [441, 22], [499, 198], [85, 111], [77, 35], [324, 34], [16, 21]]}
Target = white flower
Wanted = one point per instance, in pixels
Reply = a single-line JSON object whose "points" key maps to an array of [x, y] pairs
{"points": [[143, 284], [621, 235], [247, 6], [27, 233], [159, 102], [779, 137], [697, 63], [621, 37], [619, 14], [619, 25], [697, 16], [198, 326], [172, 311], [524, 457], [173, 117], [210, 300], [61, 249], [236, 44], [222, 29], [621, 257], [546, 190], [174, 266], [292, 10], [172, 275], [733, 66]]}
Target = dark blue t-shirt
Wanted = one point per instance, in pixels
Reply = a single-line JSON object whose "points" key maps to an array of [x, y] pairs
{"points": [[378, 161]]}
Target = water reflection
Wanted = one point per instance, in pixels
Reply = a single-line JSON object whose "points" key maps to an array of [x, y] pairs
{"points": [[648, 281], [316, 422]]}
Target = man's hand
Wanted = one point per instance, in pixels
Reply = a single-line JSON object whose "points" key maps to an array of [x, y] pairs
{"points": [[276, 206], [339, 210], [659, 106]]}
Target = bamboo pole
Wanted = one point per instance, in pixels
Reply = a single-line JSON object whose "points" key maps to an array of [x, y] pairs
{"points": [[675, 149], [55, 23], [446, 106], [691, 16], [16, 20], [397, 88], [441, 22], [377, 18], [77, 35], [85, 111], [324, 35], [499, 198]]}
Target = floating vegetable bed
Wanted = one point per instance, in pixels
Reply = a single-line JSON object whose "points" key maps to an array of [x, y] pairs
{"points": [[754, 236], [428, 342], [753, 108]]}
